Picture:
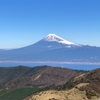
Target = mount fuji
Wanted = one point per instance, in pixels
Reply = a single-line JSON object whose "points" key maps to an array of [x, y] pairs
{"points": [[52, 48]]}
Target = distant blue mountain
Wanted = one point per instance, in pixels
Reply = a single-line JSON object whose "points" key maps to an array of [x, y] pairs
{"points": [[53, 48]]}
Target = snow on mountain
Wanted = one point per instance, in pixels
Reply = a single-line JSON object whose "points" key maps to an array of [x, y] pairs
{"points": [[54, 37], [52, 41]]}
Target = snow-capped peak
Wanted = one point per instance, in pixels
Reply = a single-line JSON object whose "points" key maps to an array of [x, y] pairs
{"points": [[54, 37]]}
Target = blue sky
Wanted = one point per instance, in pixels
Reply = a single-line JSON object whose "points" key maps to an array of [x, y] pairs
{"points": [[24, 22]]}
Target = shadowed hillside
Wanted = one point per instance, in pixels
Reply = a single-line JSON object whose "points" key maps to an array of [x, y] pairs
{"points": [[34, 76]]}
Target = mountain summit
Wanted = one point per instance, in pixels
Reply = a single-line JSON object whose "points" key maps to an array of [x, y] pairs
{"points": [[52, 41], [54, 37]]}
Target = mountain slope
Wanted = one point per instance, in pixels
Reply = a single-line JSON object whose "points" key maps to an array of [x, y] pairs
{"points": [[93, 80], [89, 82]]}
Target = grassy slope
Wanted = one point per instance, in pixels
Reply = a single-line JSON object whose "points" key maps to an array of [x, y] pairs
{"points": [[17, 94]]}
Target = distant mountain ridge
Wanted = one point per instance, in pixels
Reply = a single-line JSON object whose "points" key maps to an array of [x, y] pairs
{"points": [[53, 48]]}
